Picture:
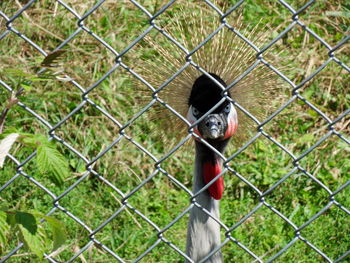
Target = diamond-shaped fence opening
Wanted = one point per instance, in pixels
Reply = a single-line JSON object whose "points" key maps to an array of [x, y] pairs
{"points": [[270, 242], [102, 80]]}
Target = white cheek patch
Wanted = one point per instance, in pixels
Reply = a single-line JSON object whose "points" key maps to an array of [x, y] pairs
{"points": [[192, 119], [232, 116], [190, 116], [232, 122]]}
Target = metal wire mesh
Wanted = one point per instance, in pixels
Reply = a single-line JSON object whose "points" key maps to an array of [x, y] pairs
{"points": [[22, 172]]}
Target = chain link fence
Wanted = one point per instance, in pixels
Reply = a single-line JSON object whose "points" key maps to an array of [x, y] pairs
{"points": [[22, 173]]}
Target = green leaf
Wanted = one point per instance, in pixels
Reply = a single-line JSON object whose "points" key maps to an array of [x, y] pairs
{"points": [[33, 242], [41, 139], [58, 231], [28, 140], [34, 141], [4, 227], [28, 221], [49, 159], [11, 219], [52, 161]]}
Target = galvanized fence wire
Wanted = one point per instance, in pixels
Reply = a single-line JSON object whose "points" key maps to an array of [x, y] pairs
{"points": [[85, 100]]}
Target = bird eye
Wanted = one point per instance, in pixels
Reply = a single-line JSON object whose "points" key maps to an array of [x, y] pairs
{"points": [[227, 108], [195, 112]]}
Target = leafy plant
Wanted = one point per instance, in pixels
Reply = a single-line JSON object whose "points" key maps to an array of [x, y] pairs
{"points": [[28, 226], [29, 229]]}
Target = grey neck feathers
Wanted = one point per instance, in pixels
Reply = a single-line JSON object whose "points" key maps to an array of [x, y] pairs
{"points": [[203, 234]]}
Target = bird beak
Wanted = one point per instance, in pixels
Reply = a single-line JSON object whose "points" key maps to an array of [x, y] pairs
{"points": [[214, 132], [213, 126]]}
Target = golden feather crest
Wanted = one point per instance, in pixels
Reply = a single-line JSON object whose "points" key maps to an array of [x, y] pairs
{"points": [[225, 54]]}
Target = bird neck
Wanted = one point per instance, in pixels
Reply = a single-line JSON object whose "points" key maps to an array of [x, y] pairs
{"points": [[208, 166], [203, 234], [203, 156]]}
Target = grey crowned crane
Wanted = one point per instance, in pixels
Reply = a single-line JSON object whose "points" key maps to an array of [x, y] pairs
{"points": [[215, 64], [216, 128]]}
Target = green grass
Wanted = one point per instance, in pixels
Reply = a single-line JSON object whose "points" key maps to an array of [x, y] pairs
{"points": [[263, 163]]}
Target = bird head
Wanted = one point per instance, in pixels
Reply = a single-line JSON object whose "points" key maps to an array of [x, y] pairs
{"points": [[215, 128], [221, 123]]}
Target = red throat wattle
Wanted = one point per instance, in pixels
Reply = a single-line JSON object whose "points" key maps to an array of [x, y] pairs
{"points": [[210, 171]]}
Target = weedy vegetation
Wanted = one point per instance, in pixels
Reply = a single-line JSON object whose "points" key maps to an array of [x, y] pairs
{"points": [[298, 127]]}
